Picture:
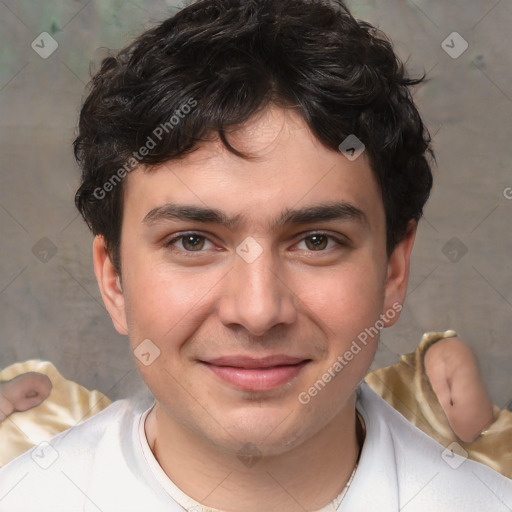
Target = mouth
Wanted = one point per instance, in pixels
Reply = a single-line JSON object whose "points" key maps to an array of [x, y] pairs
{"points": [[250, 374]]}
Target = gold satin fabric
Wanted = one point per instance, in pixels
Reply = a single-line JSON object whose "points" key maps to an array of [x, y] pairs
{"points": [[68, 404], [406, 387]]}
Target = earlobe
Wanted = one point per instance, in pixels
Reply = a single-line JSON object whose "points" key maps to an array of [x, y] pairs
{"points": [[110, 286], [398, 274]]}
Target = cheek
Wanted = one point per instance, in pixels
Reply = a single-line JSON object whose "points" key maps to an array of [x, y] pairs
{"points": [[165, 304], [347, 301]]}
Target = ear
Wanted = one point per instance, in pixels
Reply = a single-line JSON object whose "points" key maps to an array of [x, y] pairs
{"points": [[398, 274], [109, 283]]}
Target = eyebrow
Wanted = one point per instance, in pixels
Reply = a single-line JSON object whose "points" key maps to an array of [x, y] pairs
{"points": [[340, 211]]}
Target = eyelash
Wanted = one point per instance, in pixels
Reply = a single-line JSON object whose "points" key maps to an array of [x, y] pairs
{"points": [[181, 236]]}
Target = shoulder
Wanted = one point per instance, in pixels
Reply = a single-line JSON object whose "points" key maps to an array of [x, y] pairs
{"points": [[79, 440], [56, 473], [427, 474], [84, 433]]}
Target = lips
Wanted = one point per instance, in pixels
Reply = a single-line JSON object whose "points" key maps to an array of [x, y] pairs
{"points": [[250, 363], [256, 374]]}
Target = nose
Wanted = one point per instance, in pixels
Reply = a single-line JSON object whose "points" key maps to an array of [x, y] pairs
{"points": [[256, 295]]}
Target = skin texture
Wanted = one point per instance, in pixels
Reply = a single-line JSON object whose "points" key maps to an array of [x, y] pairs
{"points": [[452, 370], [294, 299], [23, 393]]}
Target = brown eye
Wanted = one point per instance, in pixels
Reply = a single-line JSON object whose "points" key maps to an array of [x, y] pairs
{"points": [[316, 242], [192, 242], [188, 243]]}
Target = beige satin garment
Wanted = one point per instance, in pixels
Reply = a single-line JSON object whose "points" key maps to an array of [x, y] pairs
{"points": [[68, 404]]}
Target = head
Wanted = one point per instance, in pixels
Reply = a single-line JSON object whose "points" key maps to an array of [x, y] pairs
{"points": [[229, 225]]}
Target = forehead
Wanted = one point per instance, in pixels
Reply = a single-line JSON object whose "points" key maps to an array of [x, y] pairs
{"points": [[289, 169]]}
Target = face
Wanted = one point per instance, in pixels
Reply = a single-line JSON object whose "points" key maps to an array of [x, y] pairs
{"points": [[251, 279]]}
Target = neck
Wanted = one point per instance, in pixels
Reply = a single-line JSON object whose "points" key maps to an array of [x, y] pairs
{"points": [[307, 477]]}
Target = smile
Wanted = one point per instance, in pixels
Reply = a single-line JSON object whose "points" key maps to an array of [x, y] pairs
{"points": [[256, 374]]}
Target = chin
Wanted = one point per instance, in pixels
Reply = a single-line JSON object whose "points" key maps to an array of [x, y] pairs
{"points": [[272, 430]]}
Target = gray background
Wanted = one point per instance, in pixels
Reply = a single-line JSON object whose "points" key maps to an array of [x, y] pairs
{"points": [[461, 278]]}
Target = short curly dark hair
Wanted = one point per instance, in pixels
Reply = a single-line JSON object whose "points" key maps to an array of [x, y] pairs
{"points": [[216, 63]]}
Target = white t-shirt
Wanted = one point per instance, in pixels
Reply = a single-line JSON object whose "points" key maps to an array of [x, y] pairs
{"points": [[105, 465]]}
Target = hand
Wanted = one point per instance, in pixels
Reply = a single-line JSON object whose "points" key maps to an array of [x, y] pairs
{"points": [[23, 393], [453, 373]]}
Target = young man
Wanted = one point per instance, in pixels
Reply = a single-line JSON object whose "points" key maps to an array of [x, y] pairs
{"points": [[253, 172]]}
